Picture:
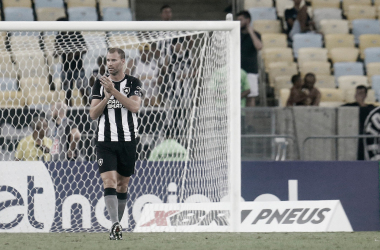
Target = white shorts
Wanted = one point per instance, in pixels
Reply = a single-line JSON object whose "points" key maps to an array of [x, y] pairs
{"points": [[253, 80]]}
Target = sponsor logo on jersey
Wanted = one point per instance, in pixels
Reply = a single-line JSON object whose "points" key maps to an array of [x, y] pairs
{"points": [[114, 104]]}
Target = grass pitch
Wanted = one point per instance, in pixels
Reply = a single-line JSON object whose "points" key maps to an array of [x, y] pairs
{"points": [[192, 241]]}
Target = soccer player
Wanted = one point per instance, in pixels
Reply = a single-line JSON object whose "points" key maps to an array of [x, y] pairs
{"points": [[116, 100]]}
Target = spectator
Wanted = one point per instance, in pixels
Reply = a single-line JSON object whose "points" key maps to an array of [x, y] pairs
{"points": [[360, 96], [297, 19], [71, 46], [313, 94], [250, 45], [166, 13], [297, 96], [365, 109], [64, 133], [146, 69], [36, 146]]}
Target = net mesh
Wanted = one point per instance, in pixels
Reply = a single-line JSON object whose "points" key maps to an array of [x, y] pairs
{"points": [[183, 121]]}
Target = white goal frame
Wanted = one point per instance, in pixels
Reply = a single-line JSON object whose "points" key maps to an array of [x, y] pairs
{"points": [[234, 129]]}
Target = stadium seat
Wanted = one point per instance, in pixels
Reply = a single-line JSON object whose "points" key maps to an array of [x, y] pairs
{"points": [[311, 54], [376, 86], [349, 95], [81, 3], [372, 70], [339, 41], [49, 13], [282, 82], [325, 4], [25, 43], [318, 68], [257, 3], [34, 84], [347, 3], [277, 55], [361, 12], [274, 41], [372, 55], [368, 41], [282, 5], [348, 68], [43, 99], [8, 84], [11, 99], [325, 81], [18, 14], [364, 26], [112, 3], [284, 96], [331, 97], [344, 54], [351, 82], [306, 41], [7, 67], [117, 14], [326, 14], [331, 26], [82, 14], [18, 3], [48, 4], [281, 69], [262, 14], [31, 64], [267, 26]]}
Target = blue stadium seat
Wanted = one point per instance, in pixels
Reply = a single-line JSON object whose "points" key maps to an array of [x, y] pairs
{"points": [[8, 84], [364, 26], [48, 4], [348, 69], [18, 14], [308, 40], [376, 86], [262, 14], [117, 14], [82, 14], [372, 55]]}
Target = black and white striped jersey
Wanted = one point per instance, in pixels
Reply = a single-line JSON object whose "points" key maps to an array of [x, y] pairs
{"points": [[117, 123]]}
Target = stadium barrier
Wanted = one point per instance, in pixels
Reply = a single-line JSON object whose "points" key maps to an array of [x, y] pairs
{"points": [[68, 196]]}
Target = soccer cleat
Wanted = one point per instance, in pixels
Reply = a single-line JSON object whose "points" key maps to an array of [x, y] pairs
{"points": [[116, 232]]}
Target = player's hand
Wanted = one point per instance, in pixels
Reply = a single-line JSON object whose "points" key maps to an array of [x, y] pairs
{"points": [[107, 84]]}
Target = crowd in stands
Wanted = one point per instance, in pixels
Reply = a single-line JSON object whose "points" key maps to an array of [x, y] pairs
{"points": [[338, 41]]}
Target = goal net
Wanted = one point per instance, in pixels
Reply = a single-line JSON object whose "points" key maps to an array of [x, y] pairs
{"points": [[188, 142]]}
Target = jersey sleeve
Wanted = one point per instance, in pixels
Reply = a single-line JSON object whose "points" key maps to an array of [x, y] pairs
{"points": [[136, 88], [96, 90]]}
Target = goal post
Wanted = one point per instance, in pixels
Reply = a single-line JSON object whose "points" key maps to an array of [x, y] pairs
{"points": [[208, 104]]}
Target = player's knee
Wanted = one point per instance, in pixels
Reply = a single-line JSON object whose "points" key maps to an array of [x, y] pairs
{"points": [[109, 183]]}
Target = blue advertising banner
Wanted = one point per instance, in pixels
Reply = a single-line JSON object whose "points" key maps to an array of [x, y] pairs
{"points": [[355, 184]]}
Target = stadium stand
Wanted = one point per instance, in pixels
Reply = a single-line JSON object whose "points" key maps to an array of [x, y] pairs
{"points": [[257, 3], [48, 4], [11, 99], [311, 54], [364, 26], [271, 55], [351, 82], [326, 14], [325, 4], [281, 69], [50, 13], [331, 97], [112, 3], [282, 82], [306, 40], [267, 26], [347, 3], [262, 13], [81, 3], [332, 26], [368, 41], [18, 14], [117, 14], [372, 55], [348, 68], [372, 70], [16, 4], [274, 41], [376, 86], [361, 12], [325, 81], [344, 54], [318, 68], [82, 14]]}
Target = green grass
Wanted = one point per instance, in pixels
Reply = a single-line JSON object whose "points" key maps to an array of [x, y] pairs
{"points": [[193, 241]]}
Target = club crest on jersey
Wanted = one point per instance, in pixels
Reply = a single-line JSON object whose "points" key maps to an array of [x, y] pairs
{"points": [[126, 90], [100, 161]]}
